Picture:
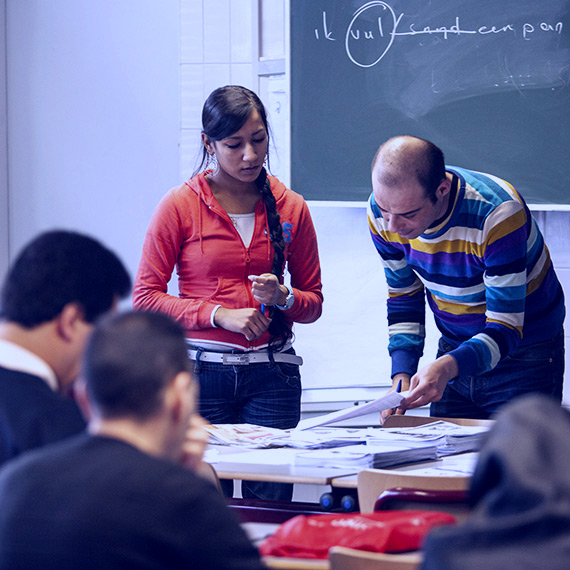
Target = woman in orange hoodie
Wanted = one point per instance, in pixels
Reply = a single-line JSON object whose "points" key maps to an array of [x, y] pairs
{"points": [[231, 231]]}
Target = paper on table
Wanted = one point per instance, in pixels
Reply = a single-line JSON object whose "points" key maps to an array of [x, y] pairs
{"points": [[390, 400]]}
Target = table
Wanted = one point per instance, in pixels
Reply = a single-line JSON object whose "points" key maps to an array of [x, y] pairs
{"points": [[274, 465]]}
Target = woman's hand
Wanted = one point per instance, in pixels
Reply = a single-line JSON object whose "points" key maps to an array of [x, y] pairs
{"points": [[267, 290], [249, 322]]}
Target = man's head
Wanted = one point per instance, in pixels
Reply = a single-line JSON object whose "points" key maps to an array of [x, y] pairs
{"points": [[59, 284], [410, 184], [136, 367], [59, 268]]}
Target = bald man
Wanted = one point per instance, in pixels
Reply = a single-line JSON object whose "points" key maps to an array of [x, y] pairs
{"points": [[467, 242]]}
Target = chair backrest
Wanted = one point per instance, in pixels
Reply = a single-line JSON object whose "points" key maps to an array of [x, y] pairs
{"points": [[372, 482], [401, 498], [342, 558], [284, 563]]}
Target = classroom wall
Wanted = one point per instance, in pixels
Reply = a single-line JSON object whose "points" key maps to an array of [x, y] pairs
{"points": [[3, 143], [103, 117], [93, 117]]}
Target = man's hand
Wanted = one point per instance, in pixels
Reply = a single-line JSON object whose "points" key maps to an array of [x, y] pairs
{"points": [[249, 322], [428, 384], [195, 442], [405, 380]]}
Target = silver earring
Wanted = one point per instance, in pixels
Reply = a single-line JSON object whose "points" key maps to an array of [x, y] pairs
{"points": [[212, 161]]}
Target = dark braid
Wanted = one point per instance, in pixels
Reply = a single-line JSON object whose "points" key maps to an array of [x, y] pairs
{"points": [[279, 328], [225, 112]]}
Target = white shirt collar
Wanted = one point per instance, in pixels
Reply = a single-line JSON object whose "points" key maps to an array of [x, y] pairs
{"points": [[15, 357]]}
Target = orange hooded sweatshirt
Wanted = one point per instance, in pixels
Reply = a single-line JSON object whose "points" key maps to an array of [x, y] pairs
{"points": [[189, 230]]}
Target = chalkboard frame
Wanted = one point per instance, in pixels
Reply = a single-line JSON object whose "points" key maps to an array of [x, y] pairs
{"points": [[341, 110]]}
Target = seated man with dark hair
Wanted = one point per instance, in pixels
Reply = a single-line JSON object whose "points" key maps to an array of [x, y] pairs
{"points": [[57, 286], [117, 497]]}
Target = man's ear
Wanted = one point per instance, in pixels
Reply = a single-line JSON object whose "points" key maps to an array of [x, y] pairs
{"points": [[68, 320], [180, 397], [443, 188]]}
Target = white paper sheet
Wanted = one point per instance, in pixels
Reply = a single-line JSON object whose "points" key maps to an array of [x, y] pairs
{"points": [[390, 400]]}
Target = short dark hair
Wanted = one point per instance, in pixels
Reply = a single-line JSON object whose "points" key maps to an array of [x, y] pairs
{"points": [[130, 359], [61, 267], [430, 171], [420, 159]]}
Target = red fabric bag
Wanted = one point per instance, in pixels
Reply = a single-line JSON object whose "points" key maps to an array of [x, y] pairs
{"points": [[311, 536]]}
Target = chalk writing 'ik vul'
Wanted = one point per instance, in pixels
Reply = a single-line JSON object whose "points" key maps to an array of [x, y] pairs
{"points": [[385, 28]]}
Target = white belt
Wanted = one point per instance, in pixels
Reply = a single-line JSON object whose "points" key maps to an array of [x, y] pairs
{"points": [[242, 358]]}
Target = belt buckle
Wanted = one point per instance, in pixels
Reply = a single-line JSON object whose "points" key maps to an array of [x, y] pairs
{"points": [[235, 359]]}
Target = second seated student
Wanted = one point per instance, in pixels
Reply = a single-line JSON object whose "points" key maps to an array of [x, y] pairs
{"points": [[116, 497], [229, 232], [468, 243]]}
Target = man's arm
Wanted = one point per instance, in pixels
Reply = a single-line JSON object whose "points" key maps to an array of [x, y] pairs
{"points": [[406, 298]]}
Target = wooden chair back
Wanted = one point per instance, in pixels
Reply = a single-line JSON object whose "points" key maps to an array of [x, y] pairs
{"points": [[372, 482], [342, 558], [283, 563]]}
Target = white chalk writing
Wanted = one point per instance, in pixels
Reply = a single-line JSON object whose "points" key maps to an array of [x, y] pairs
{"points": [[388, 26]]}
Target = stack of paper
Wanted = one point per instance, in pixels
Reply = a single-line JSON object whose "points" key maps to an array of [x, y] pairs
{"points": [[447, 436], [365, 456], [319, 438]]}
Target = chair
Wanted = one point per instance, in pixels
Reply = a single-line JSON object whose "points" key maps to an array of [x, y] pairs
{"points": [[342, 558], [402, 498], [282, 563], [371, 483]]}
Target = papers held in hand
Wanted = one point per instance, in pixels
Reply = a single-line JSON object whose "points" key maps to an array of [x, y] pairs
{"points": [[389, 400]]}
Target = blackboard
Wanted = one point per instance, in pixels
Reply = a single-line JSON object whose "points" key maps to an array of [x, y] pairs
{"points": [[486, 80]]}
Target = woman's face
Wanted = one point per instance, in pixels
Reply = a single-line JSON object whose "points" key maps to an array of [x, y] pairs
{"points": [[241, 155]]}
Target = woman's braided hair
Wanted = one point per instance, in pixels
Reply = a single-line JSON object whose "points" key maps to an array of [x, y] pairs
{"points": [[225, 111]]}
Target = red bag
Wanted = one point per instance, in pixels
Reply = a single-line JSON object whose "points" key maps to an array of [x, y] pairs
{"points": [[311, 536]]}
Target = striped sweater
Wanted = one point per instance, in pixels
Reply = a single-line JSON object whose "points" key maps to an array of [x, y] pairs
{"points": [[485, 271]]}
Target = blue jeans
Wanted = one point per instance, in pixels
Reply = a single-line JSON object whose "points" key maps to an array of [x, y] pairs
{"points": [[266, 394], [533, 368]]}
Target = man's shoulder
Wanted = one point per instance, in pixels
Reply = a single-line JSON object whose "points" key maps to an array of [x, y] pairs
{"points": [[32, 414], [24, 393]]}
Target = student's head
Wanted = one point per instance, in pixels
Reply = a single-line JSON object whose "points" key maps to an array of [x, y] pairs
{"points": [[409, 184], [234, 126], [59, 268], [131, 361], [235, 134]]}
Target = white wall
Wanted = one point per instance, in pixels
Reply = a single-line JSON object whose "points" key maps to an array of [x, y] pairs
{"points": [[93, 116], [3, 144]]}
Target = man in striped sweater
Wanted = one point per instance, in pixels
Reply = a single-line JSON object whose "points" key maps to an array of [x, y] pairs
{"points": [[467, 242]]}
